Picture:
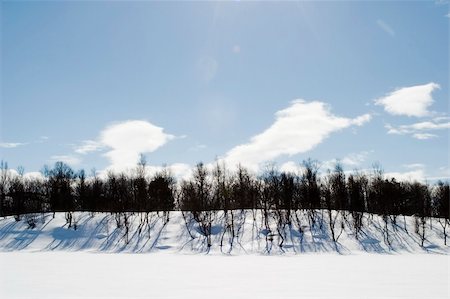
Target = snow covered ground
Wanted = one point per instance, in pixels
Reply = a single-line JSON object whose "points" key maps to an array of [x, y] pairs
{"points": [[155, 260], [166, 275], [99, 233]]}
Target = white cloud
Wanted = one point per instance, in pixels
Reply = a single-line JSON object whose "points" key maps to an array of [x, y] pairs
{"points": [[180, 170], [428, 125], [414, 165], [297, 129], [68, 159], [41, 139], [441, 119], [292, 167], [355, 159], [413, 175], [410, 101], [420, 130], [11, 144], [128, 139], [88, 146], [33, 175], [414, 172], [424, 136], [124, 142], [351, 160], [385, 27], [362, 119]]}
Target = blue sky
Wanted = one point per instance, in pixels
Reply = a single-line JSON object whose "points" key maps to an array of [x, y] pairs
{"points": [[96, 83]]}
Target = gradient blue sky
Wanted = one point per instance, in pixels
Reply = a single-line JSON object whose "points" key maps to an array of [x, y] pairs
{"points": [[204, 80]]}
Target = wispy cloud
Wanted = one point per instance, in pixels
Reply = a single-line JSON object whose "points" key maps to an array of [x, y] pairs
{"points": [[410, 101], [386, 27], [41, 139], [415, 172], [68, 159], [11, 144], [352, 160], [420, 130], [421, 126], [424, 136], [355, 159], [297, 129], [88, 146], [414, 165]]}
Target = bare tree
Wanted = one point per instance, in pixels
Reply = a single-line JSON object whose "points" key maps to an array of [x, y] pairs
{"points": [[5, 179], [335, 196], [442, 202], [196, 197], [357, 186]]}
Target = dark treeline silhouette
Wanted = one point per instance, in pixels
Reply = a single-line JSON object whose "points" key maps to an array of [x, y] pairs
{"points": [[277, 195]]}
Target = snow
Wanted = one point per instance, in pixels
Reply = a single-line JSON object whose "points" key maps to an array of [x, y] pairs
{"points": [[99, 233], [96, 261], [167, 275]]}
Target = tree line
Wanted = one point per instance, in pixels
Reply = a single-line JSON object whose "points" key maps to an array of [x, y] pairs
{"points": [[275, 194]]}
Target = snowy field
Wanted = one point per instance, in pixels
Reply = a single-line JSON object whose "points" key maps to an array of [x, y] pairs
{"points": [[157, 260], [98, 275]]}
